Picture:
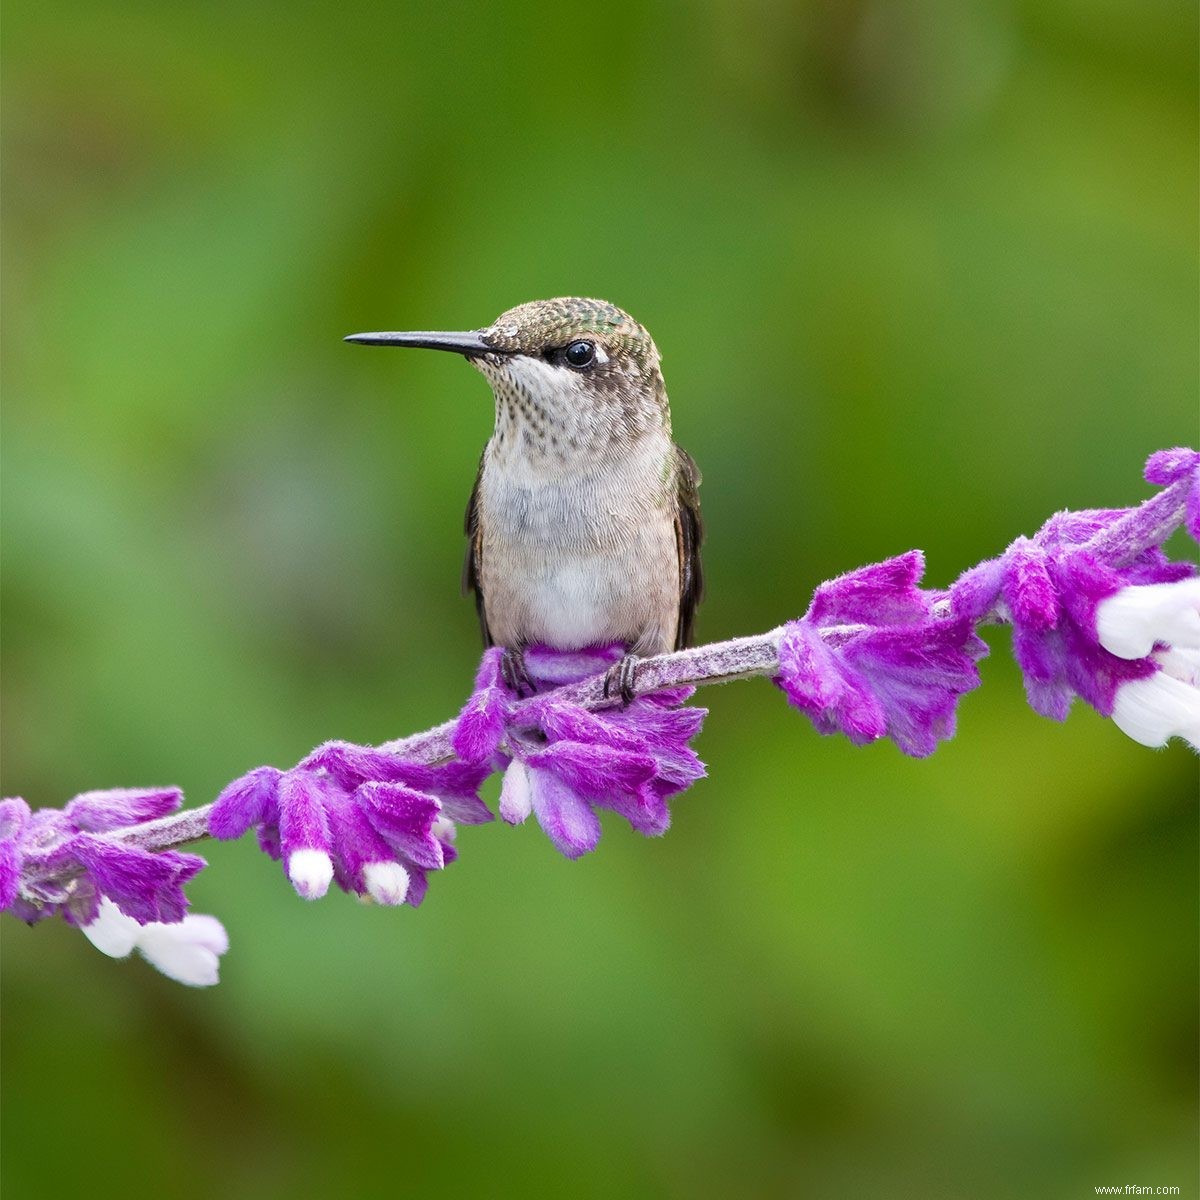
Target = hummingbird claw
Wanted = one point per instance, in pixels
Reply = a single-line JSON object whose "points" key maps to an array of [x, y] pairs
{"points": [[621, 677], [516, 674]]}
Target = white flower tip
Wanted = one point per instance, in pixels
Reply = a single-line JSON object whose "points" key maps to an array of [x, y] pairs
{"points": [[1129, 623], [188, 951], [311, 872], [1158, 708], [112, 932], [387, 882], [516, 800]]}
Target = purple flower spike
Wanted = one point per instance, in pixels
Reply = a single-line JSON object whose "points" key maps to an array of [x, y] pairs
{"points": [[67, 863], [304, 833], [1063, 659], [568, 820], [145, 886], [480, 727], [875, 657], [14, 819], [594, 770], [1173, 466], [363, 817], [1165, 467], [883, 593], [71, 862], [1053, 587], [404, 819], [119, 808], [250, 800], [456, 784], [569, 761]]}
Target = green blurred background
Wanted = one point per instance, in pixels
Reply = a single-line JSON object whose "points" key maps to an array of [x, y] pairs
{"points": [[922, 273]]}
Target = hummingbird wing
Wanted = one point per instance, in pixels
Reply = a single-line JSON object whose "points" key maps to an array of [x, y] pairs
{"points": [[470, 575], [689, 533]]}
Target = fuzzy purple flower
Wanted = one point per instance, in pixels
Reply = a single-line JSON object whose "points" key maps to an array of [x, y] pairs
{"points": [[562, 762], [1052, 589], [14, 819], [873, 657], [358, 816], [73, 862], [62, 861], [480, 727]]}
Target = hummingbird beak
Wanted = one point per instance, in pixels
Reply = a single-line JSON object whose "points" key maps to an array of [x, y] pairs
{"points": [[469, 344]]}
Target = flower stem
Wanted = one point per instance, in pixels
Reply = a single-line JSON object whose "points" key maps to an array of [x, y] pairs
{"points": [[718, 662]]}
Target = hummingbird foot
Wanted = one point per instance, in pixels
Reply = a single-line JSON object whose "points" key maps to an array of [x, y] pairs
{"points": [[620, 678], [515, 674]]}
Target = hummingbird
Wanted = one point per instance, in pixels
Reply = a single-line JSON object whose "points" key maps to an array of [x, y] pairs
{"points": [[583, 526]]}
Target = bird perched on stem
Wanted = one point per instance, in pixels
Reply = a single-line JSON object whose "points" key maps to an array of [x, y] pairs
{"points": [[584, 522]]}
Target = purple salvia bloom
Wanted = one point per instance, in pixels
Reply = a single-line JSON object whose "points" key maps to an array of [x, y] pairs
{"points": [[67, 862], [249, 800], [567, 819], [552, 668], [365, 863], [404, 819], [817, 683], [593, 770], [567, 762], [143, 885], [14, 819], [884, 593], [1063, 658], [118, 808], [873, 658], [1166, 467], [304, 834], [64, 868], [480, 726], [1052, 587], [456, 784], [361, 816], [49, 876]]}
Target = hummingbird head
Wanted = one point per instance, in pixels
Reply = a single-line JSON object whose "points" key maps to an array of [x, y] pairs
{"points": [[567, 374]]}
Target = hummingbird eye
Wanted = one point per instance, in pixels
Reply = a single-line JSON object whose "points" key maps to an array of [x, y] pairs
{"points": [[580, 354]]}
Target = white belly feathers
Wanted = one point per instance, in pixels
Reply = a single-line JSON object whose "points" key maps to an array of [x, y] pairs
{"points": [[578, 560]]}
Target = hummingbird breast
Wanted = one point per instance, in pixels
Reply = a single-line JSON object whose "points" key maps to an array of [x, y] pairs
{"points": [[577, 553]]}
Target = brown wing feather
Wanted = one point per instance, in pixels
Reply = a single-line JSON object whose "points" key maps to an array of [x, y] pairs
{"points": [[689, 533], [470, 575]]}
